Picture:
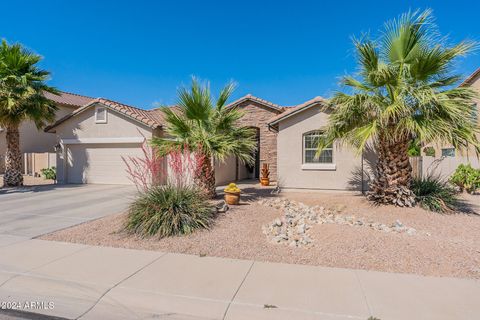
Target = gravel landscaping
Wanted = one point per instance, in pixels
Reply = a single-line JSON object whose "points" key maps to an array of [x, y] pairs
{"points": [[329, 229]]}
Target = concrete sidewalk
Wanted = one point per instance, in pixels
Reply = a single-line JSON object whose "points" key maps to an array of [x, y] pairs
{"points": [[87, 282]]}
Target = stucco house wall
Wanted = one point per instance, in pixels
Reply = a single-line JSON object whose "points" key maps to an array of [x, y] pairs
{"points": [[83, 128], [225, 171], [344, 174]]}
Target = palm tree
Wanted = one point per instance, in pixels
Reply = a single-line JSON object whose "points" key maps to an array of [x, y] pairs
{"points": [[405, 90], [22, 87], [208, 129]]}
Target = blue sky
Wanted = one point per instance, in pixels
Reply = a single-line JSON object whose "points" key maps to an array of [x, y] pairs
{"points": [[140, 52]]}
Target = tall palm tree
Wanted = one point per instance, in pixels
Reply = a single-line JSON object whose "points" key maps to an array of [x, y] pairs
{"points": [[22, 87], [206, 128], [405, 90]]}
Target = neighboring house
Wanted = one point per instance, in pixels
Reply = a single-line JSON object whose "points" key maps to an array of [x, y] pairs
{"points": [[33, 140], [447, 158]]}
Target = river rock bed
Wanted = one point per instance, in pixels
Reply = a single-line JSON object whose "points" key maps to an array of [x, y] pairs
{"points": [[293, 227]]}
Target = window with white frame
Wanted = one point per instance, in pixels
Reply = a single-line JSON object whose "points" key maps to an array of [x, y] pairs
{"points": [[448, 152], [310, 145], [100, 115]]}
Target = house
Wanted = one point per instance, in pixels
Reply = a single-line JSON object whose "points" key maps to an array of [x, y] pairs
{"points": [[93, 138], [33, 140], [337, 168]]}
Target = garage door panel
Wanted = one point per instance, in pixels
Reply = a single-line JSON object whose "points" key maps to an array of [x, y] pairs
{"points": [[100, 164]]}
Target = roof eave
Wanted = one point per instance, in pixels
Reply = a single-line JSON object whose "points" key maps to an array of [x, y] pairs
{"points": [[282, 117], [94, 102]]}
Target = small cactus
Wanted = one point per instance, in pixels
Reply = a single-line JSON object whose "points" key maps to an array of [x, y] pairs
{"points": [[265, 171]]}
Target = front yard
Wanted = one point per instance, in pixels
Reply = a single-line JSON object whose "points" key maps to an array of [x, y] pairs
{"points": [[360, 236]]}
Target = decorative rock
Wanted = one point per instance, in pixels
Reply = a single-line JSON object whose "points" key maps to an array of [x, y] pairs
{"points": [[222, 206], [293, 227], [411, 231]]}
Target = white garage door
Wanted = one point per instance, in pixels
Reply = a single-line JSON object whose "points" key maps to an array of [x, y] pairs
{"points": [[100, 163]]}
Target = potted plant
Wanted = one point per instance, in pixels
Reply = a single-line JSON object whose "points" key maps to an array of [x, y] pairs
{"points": [[232, 194], [265, 179]]}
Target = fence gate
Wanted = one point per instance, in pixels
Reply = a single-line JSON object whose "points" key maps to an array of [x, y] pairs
{"points": [[417, 165]]}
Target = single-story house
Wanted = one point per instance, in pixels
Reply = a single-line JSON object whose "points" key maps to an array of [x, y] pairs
{"points": [[93, 139], [91, 136]]}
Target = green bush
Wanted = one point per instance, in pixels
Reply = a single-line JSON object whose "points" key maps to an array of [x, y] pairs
{"points": [[49, 173], [169, 210], [466, 178], [429, 151], [414, 149], [434, 194]]}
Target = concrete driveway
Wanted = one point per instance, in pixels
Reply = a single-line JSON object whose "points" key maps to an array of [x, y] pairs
{"points": [[34, 211]]}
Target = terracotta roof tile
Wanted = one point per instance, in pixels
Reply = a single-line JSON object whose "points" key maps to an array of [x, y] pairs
{"points": [[147, 117], [471, 78], [70, 99], [256, 99]]}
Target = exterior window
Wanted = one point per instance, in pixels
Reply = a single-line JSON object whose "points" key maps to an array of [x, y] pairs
{"points": [[100, 115], [310, 146], [448, 152]]}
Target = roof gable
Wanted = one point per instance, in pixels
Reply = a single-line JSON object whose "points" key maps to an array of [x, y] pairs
{"points": [[145, 117], [291, 111], [260, 101]]}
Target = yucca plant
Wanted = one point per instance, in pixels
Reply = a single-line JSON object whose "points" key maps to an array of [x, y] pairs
{"points": [[434, 194], [169, 210], [405, 90]]}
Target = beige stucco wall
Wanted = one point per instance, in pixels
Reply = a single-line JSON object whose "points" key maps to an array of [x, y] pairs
{"points": [[83, 126], [346, 176], [225, 171]]}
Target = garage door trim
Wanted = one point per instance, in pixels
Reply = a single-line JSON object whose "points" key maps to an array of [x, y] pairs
{"points": [[102, 140]]}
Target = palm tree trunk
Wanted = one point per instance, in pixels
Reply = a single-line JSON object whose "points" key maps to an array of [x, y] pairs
{"points": [[13, 159], [205, 177], [394, 175]]}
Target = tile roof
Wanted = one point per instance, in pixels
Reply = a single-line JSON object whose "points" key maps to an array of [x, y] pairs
{"points": [[147, 117], [298, 108], [471, 78], [150, 118], [255, 99], [70, 99]]}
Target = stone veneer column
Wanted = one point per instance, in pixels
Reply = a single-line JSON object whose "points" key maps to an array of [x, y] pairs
{"points": [[257, 115]]}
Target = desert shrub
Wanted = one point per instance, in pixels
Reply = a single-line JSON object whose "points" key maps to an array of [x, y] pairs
{"points": [[49, 173], [466, 178], [169, 210], [434, 194]]}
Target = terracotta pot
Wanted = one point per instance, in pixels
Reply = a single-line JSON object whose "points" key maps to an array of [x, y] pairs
{"points": [[265, 181], [232, 198]]}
